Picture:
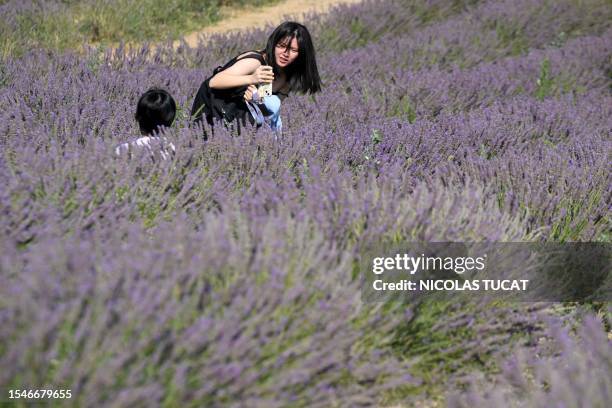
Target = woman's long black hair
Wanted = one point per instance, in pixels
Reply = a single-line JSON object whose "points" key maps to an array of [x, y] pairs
{"points": [[302, 74]]}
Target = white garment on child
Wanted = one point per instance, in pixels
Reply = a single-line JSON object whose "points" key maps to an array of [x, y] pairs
{"points": [[147, 142]]}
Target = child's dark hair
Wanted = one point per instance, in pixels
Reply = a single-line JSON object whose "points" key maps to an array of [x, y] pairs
{"points": [[302, 74], [155, 108]]}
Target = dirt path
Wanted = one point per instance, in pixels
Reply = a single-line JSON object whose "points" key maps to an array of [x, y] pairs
{"points": [[236, 19], [240, 19]]}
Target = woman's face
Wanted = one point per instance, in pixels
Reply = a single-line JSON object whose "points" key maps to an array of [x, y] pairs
{"points": [[286, 51]]}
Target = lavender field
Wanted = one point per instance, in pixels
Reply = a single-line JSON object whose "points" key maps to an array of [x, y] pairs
{"points": [[225, 277]]}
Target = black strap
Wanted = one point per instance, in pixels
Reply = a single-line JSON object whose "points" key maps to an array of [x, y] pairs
{"points": [[253, 54]]}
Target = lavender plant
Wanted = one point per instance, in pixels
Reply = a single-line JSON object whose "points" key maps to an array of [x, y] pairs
{"points": [[225, 276], [574, 372]]}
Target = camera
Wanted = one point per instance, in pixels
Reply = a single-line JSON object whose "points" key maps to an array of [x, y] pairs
{"points": [[264, 90]]}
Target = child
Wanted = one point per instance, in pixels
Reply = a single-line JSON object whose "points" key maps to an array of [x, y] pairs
{"points": [[155, 110]]}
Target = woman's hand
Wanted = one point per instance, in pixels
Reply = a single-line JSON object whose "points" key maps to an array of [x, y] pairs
{"points": [[248, 94], [263, 75]]}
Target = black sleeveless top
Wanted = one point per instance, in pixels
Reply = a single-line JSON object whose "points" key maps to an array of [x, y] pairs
{"points": [[227, 105]]}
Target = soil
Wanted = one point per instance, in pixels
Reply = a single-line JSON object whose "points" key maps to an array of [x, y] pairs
{"points": [[248, 18], [237, 19]]}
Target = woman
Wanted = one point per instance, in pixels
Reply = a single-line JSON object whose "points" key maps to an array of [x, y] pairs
{"points": [[230, 94]]}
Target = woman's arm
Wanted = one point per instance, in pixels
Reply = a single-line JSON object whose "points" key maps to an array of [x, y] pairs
{"points": [[247, 71], [248, 94]]}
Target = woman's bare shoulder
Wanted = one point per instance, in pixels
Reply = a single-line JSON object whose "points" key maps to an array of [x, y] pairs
{"points": [[250, 53], [244, 66]]}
